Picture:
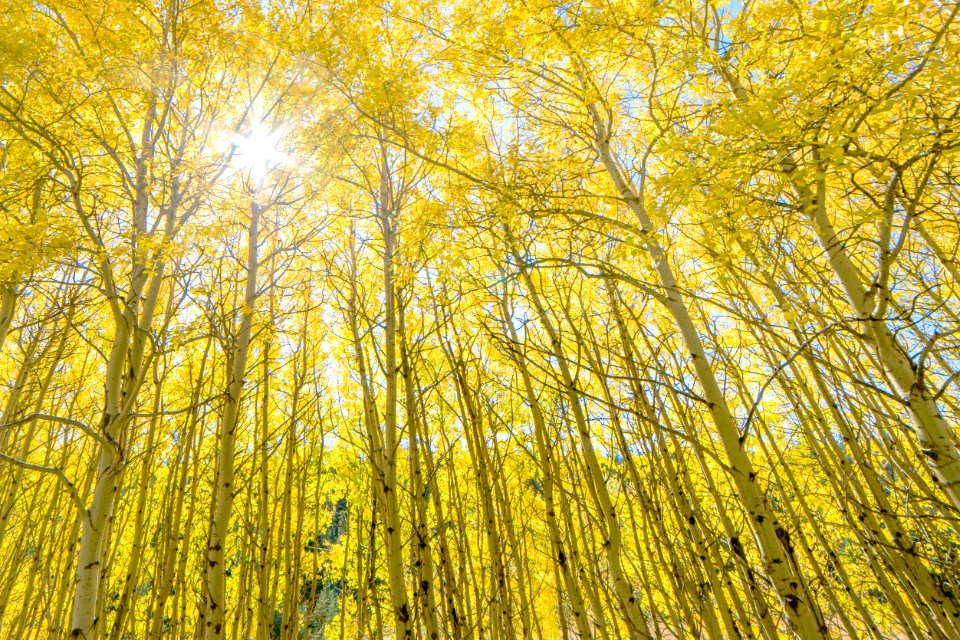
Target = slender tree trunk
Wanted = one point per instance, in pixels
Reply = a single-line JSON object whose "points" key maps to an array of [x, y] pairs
{"points": [[213, 615]]}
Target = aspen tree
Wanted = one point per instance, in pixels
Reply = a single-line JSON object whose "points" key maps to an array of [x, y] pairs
{"points": [[238, 347], [423, 553]]}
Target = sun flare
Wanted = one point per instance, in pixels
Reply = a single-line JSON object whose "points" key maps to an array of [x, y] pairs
{"points": [[258, 152]]}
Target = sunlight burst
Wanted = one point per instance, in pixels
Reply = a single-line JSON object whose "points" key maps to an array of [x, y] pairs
{"points": [[258, 151]]}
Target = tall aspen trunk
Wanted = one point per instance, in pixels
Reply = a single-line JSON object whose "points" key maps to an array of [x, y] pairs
{"points": [[292, 548], [391, 440], [422, 548], [265, 600], [143, 490], [123, 379], [458, 619], [384, 438], [213, 615]]}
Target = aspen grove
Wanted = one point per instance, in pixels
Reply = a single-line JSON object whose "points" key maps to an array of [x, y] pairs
{"points": [[479, 320]]}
